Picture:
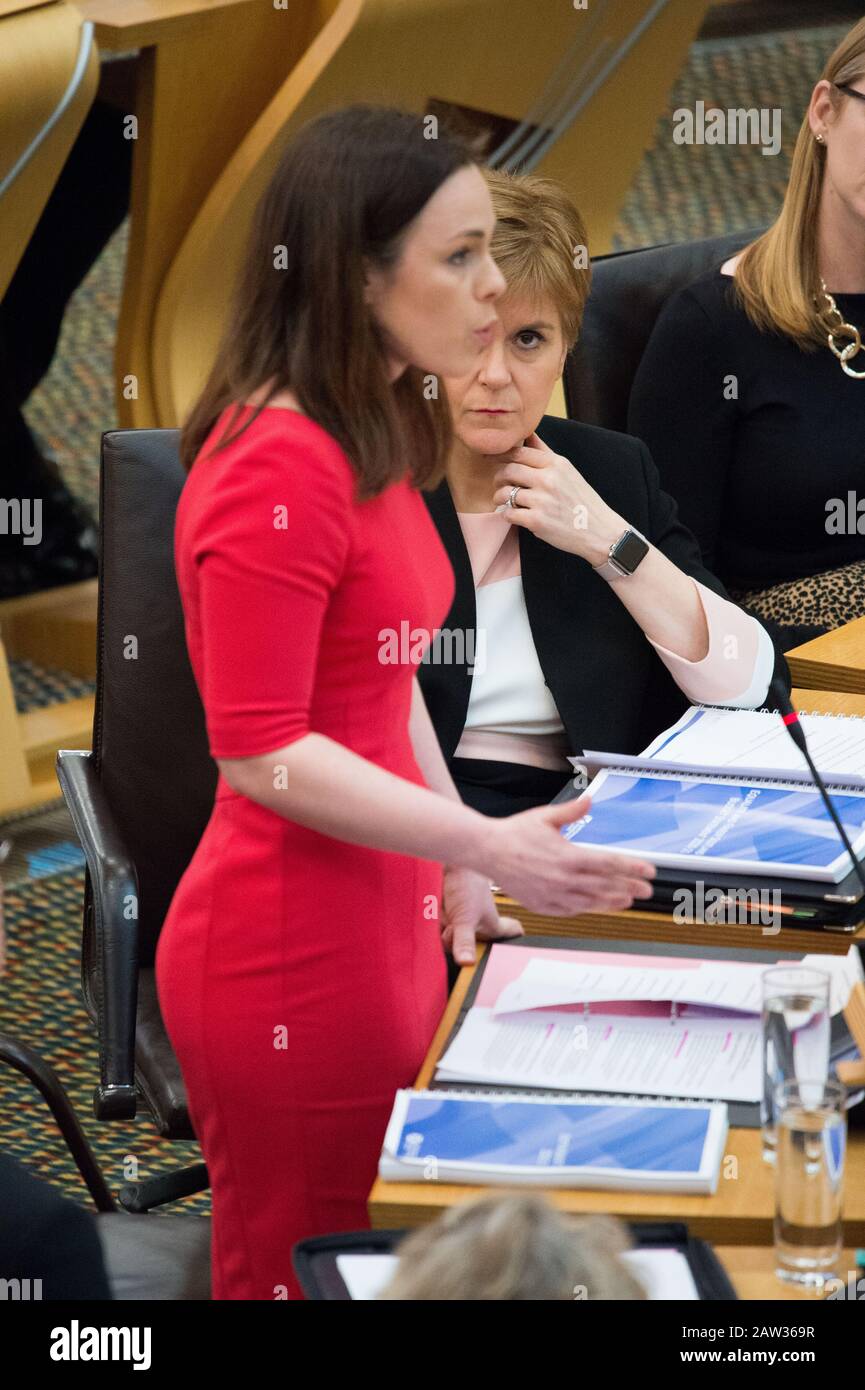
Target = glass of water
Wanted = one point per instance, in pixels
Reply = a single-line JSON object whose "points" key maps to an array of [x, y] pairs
{"points": [[796, 1035], [809, 1180]]}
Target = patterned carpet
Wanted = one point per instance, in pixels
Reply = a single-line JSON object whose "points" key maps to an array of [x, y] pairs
{"points": [[684, 192], [42, 844], [680, 193], [40, 1004]]}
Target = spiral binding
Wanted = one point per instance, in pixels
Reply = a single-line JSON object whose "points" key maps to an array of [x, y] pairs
{"points": [[755, 781], [590, 1097], [822, 713], [744, 778]]}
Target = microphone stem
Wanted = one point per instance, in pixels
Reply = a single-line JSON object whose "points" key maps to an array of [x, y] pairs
{"points": [[821, 786]]}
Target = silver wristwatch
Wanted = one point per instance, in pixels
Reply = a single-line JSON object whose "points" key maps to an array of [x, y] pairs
{"points": [[624, 555]]}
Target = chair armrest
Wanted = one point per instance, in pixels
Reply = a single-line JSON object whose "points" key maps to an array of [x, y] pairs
{"points": [[835, 661], [114, 941]]}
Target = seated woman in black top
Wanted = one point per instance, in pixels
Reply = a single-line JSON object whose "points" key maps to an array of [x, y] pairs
{"points": [[754, 415], [550, 648]]}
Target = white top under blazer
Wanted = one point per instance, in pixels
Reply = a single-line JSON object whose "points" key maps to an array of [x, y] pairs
{"points": [[512, 716]]}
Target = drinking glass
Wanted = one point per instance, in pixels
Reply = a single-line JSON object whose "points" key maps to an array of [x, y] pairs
{"points": [[796, 1035], [809, 1180]]}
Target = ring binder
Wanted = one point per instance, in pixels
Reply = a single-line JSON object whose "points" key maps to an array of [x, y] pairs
{"points": [[817, 713], [697, 749], [484, 1092], [735, 776]]}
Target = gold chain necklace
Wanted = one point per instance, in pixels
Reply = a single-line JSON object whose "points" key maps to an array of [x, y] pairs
{"points": [[848, 330]]}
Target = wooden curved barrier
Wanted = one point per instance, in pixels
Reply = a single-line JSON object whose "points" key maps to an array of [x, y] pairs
{"points": [[476, 54], [49, 71]]}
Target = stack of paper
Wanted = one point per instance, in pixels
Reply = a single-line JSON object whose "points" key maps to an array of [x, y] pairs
{"points": [[728, 792], [623, 1024], [751, 743]]}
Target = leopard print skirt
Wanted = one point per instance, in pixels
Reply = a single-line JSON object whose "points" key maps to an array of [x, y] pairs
{"points": [[826, 600]]}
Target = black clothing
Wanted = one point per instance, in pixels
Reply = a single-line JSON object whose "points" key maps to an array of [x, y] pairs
{"points": [[48, 1240], [611, 689], [753, 475]]}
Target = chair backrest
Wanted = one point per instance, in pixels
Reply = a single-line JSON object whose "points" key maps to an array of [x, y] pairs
{"points": [[149, 737], [629, 290], [49, 71]]}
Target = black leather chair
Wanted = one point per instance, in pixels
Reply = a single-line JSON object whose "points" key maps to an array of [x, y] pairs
{"points": [[141, 799], [629, 289]]}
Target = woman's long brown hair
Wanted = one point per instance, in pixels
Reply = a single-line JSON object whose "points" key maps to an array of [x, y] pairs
{"points": [[345, 191]]}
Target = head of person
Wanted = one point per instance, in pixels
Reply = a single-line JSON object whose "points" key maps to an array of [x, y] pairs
{"points": [[539, 244], [778, 276], [513, 1248], [367, 274]]}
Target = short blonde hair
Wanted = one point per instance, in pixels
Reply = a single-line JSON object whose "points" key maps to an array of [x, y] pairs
{"points": [[539, 238], [510, 1248]]}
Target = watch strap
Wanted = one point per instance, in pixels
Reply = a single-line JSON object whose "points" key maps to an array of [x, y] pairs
{"points": [[611, 569]]}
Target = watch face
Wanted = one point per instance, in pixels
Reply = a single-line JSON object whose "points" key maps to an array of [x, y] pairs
{"points": [[629, 551]]}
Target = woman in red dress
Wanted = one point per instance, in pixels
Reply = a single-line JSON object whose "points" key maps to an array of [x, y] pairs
{"points": [[300, 968]]}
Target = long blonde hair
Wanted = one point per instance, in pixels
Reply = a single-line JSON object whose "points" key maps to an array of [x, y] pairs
{"points": [[777, 279]]}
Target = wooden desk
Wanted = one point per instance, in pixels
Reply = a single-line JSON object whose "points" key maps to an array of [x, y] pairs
{"points": [[207, 70], [639, 925], [739, 1214], [658, 926], [751, 1270], [835, 661]]}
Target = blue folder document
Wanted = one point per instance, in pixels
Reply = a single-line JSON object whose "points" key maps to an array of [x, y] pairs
{"points": [[724, 824], [552, 1141]]}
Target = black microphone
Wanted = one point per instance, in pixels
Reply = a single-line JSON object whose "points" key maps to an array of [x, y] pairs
{"points": [[794, 728]]}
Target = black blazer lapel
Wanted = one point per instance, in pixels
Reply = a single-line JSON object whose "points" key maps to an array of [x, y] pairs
{"points": [[447, 683]]}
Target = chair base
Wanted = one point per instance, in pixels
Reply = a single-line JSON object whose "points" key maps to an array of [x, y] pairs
{"points": [[166, 1187]]}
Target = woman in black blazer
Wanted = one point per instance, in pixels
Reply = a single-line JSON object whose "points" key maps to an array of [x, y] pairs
{"points": [[584, 616]]}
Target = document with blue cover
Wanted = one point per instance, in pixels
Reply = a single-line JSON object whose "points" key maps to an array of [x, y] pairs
{"points": [[552, 1141], [724, 824]]}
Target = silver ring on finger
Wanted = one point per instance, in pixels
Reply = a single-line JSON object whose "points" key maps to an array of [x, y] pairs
{"points": [[511, 502]]}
